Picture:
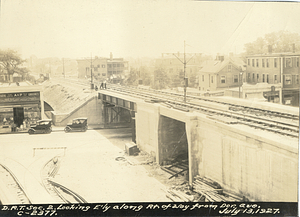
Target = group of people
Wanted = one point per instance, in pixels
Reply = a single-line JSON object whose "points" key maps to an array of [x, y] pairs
{"points": [[102, 86], [15, 125]]}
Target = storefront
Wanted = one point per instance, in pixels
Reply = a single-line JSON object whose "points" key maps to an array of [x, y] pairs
{"points": [[20, 107]]}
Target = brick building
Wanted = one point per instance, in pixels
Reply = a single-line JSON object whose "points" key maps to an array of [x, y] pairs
{"points": [[111, 69], [276, 68]]}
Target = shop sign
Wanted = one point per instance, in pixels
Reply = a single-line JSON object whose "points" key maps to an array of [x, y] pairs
{"points": [[17, 97]]}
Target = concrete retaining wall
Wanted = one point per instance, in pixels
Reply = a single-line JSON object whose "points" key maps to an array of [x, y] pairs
{"points": [[258, 166], [92, 109]]}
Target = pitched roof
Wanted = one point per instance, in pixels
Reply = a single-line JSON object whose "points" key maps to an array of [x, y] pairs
{"points": [[214, 66]]}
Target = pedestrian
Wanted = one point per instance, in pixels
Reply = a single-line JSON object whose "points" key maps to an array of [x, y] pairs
{"points": [[104, 84], [101, 86], [96, 88], [13, 127]]}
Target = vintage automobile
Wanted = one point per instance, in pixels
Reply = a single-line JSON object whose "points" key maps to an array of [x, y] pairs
{"points": [[78, 124], [42, 126]]}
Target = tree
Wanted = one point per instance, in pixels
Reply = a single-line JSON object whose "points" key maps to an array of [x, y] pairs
{"points": [[161, 79], [281, 41], [11, 63], [132, 77], [145, 75]]}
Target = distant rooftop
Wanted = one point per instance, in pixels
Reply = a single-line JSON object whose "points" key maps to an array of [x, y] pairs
{"points": [[15, 84], [275, 54]]}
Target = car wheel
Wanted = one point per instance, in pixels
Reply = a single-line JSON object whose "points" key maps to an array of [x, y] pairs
{"points": [[67, 129], [31, 131]]}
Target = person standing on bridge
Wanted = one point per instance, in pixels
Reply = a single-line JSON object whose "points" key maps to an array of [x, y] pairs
{"points": [[104, 84]]}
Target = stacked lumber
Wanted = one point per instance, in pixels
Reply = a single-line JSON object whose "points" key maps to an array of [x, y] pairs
{"points": [[179, 196], [212, 191]]}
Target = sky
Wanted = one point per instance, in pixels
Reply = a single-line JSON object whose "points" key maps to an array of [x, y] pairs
{"points": [[138, 28]]}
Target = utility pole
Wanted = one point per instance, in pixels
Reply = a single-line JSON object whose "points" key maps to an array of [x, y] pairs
{"points": [[92, 87], [184, 71]]}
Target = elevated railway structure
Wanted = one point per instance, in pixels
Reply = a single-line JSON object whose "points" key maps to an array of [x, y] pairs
{"points": [[248, 148], [273, 121]]}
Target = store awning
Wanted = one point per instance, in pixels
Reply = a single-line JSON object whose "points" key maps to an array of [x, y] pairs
{"points": [[47, 107]]}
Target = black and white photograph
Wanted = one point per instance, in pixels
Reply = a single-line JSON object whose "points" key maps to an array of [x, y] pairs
{"points": [[149, 108]]}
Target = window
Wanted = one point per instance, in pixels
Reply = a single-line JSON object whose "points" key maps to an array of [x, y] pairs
{"points": [[103, 66], [223, 79], [267, 63], [297, 62], [253, 77], [275, 62], [263, 78], [267, 78], [288, 62], [98, 66], [229, 68], [297, 79], [257, 64], [235, 78], [275, 79], [96, 69], [202, 77], [257, 78], [253, 62], [288, 79], [263, 62], [212, 79], [248, 62], [103, 74]]}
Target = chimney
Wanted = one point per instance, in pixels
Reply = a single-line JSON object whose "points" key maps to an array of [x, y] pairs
{"points": [[111, 56], [269, 48]]}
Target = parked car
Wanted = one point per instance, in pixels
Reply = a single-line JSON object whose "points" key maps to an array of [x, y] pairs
{"points": [[42, 126], [78, 124]]}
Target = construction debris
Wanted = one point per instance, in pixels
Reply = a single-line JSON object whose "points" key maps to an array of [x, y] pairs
{"points": [[212, 191], [131, 148]]}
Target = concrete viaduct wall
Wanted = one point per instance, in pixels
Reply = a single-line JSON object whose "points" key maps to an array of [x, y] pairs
{"points": [[92, 109], [259, 166]]}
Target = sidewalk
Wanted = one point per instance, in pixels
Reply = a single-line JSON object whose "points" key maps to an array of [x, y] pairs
{"points": [[7, 130]]}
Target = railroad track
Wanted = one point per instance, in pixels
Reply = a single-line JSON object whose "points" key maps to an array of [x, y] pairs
{"points": [[60, 193], [272, 121], [11, 191], [276, 122]]}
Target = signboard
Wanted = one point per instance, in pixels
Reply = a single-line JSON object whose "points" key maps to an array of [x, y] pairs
{"points": [[19, 97]]}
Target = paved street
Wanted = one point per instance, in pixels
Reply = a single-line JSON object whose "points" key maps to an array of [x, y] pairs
{"points": [[89, 165]]}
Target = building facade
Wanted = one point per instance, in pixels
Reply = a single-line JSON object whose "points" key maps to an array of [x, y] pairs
{"points": [[221, 73], [173, 64], [110, 69], [276, 68], [21, 105]]}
